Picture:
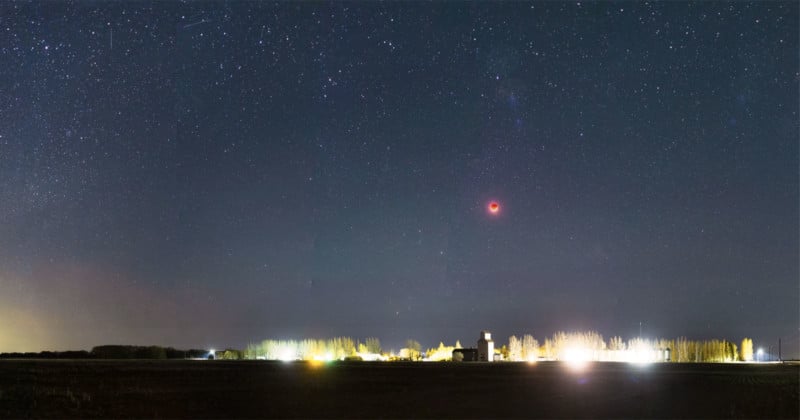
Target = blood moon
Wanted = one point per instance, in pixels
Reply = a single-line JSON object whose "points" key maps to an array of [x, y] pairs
{"points": [[494, 207]]}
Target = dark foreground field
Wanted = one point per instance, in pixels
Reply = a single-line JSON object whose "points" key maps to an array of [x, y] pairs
{"points": [[199, 389]]}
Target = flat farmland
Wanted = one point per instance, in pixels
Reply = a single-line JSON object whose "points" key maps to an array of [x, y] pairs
{"points": [[228, 389]]}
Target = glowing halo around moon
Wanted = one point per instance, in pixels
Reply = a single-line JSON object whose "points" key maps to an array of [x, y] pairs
{"points": [[494, 207]]}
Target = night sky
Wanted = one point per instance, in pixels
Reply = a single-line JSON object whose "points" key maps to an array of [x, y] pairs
{"points": [[212, 174]]}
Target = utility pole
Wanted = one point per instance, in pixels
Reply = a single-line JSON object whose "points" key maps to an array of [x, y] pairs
{"points": [[640, 329], [779, 350]]}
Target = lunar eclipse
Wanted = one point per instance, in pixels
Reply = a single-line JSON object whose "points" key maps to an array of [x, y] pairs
{"points": [[259, 185]]}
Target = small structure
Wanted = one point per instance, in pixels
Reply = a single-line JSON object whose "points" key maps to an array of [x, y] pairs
{"points": [[465, 355], [485, 347]]}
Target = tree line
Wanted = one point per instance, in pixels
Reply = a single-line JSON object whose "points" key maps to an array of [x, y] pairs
{"points": [[591, 345], [70, 354], [338, 348], [562, 345], [145, 352], [115, 352]]}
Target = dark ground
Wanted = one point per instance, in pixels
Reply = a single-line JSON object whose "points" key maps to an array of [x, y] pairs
{"points": [[197, 389]]}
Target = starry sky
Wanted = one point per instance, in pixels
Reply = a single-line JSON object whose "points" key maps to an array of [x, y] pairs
{"points": [[214, 173]]}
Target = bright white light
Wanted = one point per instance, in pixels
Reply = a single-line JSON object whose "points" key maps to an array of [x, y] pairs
{"points": [[640, 352], [577, 364], [370, 357], [212, 351], [324, 358], [760, 352], [576, 358], [287, 355], [640, 356]]}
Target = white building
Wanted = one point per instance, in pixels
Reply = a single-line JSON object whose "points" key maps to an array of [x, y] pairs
{"points": [[485, 347]]}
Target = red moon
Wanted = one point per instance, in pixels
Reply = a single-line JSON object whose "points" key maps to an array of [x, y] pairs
{"points": [[494, 207]]}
